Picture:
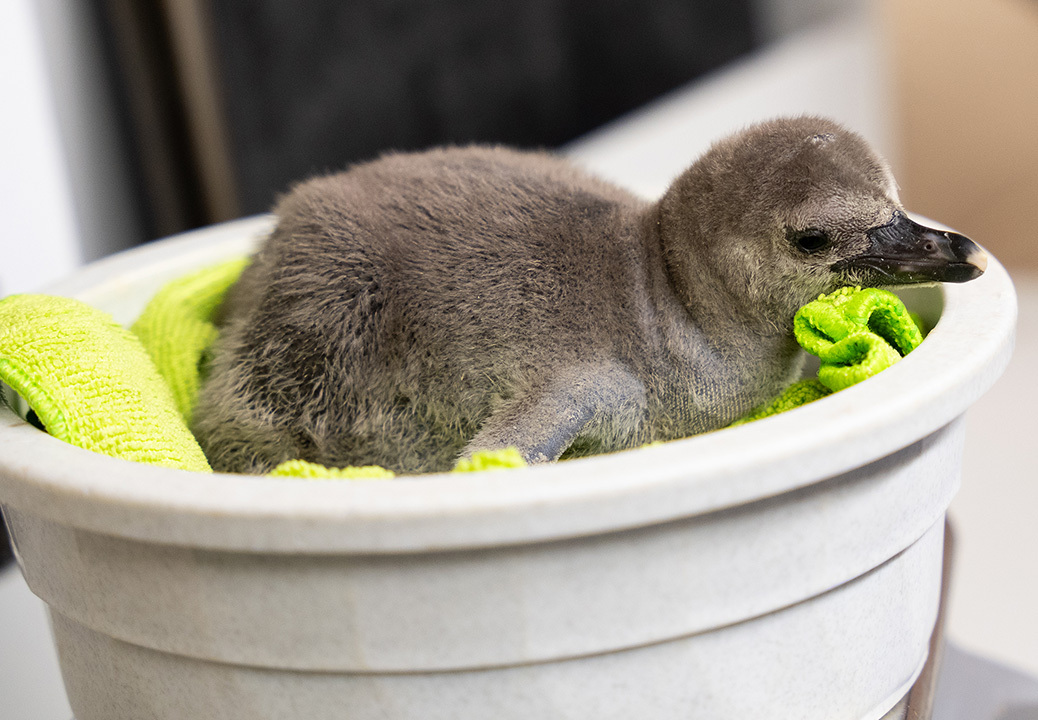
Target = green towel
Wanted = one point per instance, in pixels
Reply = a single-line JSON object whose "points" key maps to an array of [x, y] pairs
{"points": [[91, 383], [797, 394], [177, 327], [490, 460], [314, 471], [482, 460], [855, 333]]}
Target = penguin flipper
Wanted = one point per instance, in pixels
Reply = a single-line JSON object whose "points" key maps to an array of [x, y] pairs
{"points": [[544, 421]]}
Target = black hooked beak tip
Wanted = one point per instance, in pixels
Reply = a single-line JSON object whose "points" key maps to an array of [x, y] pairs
{"points": [[903, 252]]}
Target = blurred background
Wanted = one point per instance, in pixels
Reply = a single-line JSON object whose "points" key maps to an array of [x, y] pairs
{"points": [[129, 120]]}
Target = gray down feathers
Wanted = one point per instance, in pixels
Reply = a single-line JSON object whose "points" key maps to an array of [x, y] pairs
{"points": [[423, 306]]}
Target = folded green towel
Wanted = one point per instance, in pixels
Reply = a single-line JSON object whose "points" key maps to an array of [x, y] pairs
{"points": [[177, 327], [855, 333], [91, 383]]}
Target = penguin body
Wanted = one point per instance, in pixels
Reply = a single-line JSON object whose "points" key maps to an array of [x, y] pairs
{"points": [[424, 306]]}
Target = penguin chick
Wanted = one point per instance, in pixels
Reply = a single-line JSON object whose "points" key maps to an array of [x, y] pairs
{"points": [[425, 306]]}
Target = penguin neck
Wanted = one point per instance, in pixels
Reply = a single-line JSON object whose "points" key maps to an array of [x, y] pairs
{"points": [[725, 317]]}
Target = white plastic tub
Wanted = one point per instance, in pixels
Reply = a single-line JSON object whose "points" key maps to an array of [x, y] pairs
{"points": [[789, 568]]}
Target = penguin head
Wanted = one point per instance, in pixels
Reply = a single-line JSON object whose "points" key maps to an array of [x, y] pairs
{"points": [[791, 208]]}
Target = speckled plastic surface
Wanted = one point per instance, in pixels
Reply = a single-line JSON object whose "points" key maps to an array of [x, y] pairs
{"points": [[790, 563]]}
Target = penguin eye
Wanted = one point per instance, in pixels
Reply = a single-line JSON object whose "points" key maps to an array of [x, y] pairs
{"points": [[809, 241]]}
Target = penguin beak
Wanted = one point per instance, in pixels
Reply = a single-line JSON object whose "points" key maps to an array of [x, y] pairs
{"points": [[903, 252]]}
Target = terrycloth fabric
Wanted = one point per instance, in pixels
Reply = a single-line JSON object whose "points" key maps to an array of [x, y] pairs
{"points": [[855, 333], [91, 383], [483, 460], [797, 394], [177, 327], [491, 460], [313, 471]]}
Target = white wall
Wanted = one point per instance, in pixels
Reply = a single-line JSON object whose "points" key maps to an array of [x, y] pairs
{"points": [[64, 190]]}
